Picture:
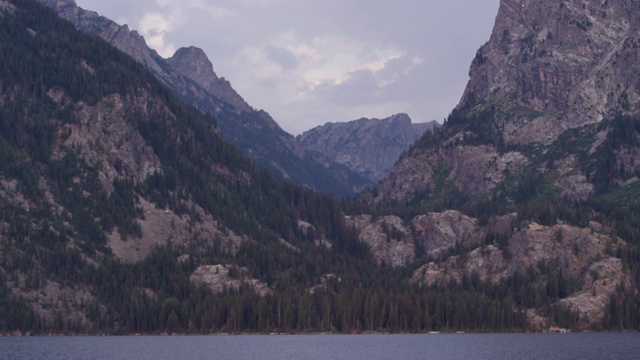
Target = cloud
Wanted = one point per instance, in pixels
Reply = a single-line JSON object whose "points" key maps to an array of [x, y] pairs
{"points": [[283, 57], [372, 83], [307, 61], [156, 25], [313, 61]]}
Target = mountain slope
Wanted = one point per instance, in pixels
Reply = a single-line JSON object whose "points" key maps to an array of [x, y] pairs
{"points": [[122, 210], [190, 75], [114, 192], [568, 65], [369, 147], [540, 154], [548, 74]]}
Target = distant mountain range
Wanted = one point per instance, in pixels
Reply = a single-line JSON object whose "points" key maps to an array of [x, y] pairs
{"points": [[368, 146]]}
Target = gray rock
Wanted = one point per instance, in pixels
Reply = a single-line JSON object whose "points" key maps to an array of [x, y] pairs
{"points": [[370, 147], [569, 63]]}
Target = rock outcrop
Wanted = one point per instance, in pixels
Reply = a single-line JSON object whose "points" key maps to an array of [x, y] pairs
{"points": [[389, 238], [393, 241], [474, 170], [460, 248], [370, 147], [569, 64], [220, 278], [102, 135], [193, 63]]}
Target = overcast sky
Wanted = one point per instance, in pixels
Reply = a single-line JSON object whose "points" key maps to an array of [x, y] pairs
{"points": [[308, 62]]}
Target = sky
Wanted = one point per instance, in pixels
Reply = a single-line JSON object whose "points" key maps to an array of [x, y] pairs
{"points": [[309, 62]]}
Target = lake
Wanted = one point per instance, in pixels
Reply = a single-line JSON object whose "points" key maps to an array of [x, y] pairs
{"points": [[583, 346]]}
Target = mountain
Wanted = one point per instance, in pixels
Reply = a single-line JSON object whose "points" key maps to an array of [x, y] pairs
{"points": [[549, 76], [124, 211], [562, 66], [535, 172], [369, 147], [190, 75]]}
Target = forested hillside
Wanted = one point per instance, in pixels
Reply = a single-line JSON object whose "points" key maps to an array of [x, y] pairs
{"points": [[89, 137], [123, 211]]}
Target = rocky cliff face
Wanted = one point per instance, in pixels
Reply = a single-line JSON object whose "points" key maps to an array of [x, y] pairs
{"points": [[549, 116], [569, 64], [193, 63], [190, 75], [549, 73], [97, 133], [370, 147], [394, 241]]}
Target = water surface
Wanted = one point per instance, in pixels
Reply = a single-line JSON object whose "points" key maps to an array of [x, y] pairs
{"points": [[370, 347]]}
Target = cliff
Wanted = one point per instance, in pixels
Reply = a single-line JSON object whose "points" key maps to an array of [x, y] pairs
{"points": [[566, 65], [549, 75]]}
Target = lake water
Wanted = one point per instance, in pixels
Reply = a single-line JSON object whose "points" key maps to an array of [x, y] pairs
{"points": [[369, 347]]}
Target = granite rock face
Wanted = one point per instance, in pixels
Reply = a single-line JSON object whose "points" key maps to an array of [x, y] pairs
{"points": [[548, 71], [571, 63], [393, 241], [389, 238], [370, 147], [460, 248], [474, 170], [220, 278]]}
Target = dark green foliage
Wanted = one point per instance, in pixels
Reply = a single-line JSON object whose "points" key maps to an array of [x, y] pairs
{"points": [[59, 233], [199, 169], [17, 315], [343, 304], [603, 169]]}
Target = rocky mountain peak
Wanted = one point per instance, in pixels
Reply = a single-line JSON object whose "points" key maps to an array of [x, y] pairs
{"points": [[193, 63], [368, 146], [550, 72], [566, 63], [196, 61]]}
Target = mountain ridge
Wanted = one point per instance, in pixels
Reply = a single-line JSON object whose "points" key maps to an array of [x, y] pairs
{"points": [[572, 63], [368, 146], [253, 131]]}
